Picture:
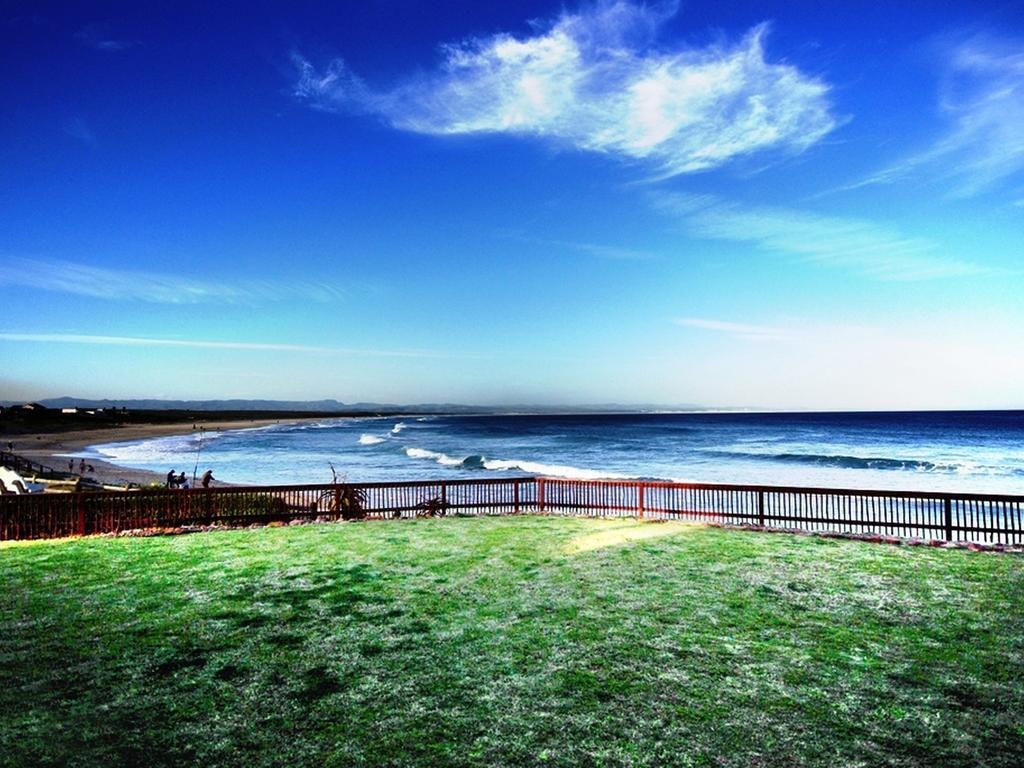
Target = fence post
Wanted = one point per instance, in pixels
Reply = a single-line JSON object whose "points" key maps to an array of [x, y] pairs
{"points": [[444, 497], [640, 501], [760, 508], [80, 508], [540, 495], [515, 495], [949, 519]]}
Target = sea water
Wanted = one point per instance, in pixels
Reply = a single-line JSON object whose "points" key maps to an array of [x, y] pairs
{"points": [[945, 451]]}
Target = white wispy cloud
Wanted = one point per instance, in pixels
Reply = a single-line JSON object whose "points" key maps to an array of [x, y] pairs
{"points": [[595, 80], [742, 331], [79, 129], [156, 287], [245, 346], [982, 100], [599, 250], [604, 251], [99, 37], [861, 245]]}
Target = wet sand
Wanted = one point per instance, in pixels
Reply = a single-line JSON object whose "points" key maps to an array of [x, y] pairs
{"points": [[49, 448]]}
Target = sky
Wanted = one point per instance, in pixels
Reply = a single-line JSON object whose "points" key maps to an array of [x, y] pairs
{"points": [[760, 204]]}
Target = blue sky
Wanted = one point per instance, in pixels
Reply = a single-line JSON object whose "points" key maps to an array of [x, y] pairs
{"points": [[730, 204]]}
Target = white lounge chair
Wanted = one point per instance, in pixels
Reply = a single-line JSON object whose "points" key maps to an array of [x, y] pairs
{"points": [[12, 482]]}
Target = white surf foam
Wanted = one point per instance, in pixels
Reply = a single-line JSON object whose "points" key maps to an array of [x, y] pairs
{"points": [[370, 440], [551, 470], [441, 458], [505, 465]]}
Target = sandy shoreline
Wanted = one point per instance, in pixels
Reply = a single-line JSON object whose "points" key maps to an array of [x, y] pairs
{"points": [[48, 448]]}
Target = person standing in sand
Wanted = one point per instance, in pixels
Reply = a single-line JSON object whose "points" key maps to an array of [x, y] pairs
{"points": [[172, 479], [207, 478]]}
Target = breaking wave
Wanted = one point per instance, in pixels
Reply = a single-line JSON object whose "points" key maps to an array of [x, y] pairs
{"points": [[370, 440], [841, 461], [398, 428], [441, 458], [512, 465]]}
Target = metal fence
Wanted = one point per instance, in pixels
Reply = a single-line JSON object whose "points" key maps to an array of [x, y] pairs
{"points": [[53, 515], [21, 464], [983, 518]]}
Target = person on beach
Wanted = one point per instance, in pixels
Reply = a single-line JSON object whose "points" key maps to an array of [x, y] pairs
{"points": [[172, 479], [207, 478], [71, 466], [81, 466], [181, 481]]}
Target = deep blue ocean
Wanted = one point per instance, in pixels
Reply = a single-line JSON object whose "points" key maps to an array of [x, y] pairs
{"points": [[952, 451]]}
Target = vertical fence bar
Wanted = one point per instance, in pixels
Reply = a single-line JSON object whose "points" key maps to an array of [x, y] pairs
{"points": [[979, 518], [80, 509]]}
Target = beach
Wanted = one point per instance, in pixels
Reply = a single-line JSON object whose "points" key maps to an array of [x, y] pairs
{"points": [[957, 452], [51, 449]]}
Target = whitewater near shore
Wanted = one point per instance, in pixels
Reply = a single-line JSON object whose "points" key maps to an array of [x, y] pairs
{"points": [[58, 449], [959, 452]]}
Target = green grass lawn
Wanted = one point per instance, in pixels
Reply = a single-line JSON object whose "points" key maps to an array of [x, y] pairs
{"points": [[508, 641]]}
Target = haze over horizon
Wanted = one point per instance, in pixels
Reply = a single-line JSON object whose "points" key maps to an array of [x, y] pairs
{"points": [[730, 204]]}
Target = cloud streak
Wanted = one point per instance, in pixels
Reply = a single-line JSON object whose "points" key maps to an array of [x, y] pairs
{"points": [[856, 244], [597, 250], [99, 38], [742, 331], [79, 129], [154, 287], [596, 81], [137, 341], [982, 98]]}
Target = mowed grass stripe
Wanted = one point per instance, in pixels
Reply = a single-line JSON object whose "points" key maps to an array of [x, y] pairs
{"points": [[508, 641]]}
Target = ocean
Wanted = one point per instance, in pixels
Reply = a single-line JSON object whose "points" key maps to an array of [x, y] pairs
{"points": [[973, 451]]}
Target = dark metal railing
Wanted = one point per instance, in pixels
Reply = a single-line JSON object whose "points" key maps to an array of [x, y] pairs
{"points": [[53, 515], [21, 464], [983, 518]]}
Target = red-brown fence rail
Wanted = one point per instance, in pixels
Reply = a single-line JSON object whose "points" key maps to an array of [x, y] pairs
{"points": [[951, 517], [53, 515], [986, 518]]}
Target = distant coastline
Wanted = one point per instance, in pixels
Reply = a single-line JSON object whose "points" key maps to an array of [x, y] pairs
{"points": [[977, 452], [52, 447]]}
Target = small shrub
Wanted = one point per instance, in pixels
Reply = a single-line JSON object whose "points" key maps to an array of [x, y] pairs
{"points": [[433, 507], [351, 502]]}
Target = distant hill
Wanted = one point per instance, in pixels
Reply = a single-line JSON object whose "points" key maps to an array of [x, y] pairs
{"points": [[313, 406], [336, 406]]}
